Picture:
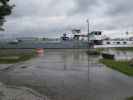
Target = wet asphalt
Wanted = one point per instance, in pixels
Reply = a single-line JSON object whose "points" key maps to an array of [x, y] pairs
{"points": [[69, 75]]}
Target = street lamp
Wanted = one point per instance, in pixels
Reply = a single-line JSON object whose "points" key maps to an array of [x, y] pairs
{"points": [[88, 23]]}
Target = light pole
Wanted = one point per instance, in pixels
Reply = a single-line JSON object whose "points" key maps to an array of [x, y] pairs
{"points": [[88, 23]]}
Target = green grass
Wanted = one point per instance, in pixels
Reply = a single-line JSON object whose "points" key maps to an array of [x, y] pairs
{"points": [[20, 59], [130, 98], [15, 56], [121, 66], [100, 49], [125, 49]]}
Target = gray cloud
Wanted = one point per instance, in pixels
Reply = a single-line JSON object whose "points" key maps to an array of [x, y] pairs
{"points": [[119, 7], [53, 17], [84, 6]]}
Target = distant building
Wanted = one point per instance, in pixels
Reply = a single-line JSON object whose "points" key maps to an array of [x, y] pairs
{"points": [[96, 37], [75, 35]]}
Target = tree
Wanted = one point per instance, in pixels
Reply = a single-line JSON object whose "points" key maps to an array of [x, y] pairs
{"points": [[5, 10]]}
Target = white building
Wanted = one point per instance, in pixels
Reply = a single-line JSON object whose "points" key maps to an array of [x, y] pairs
{"points": [[125, 40], [76, 34]]}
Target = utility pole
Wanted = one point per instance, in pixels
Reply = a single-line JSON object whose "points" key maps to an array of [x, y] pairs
{"points": [[88, 23]]}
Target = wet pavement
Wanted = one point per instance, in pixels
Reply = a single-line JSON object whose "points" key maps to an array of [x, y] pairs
{"points": [[120, 55], [69, 75], [19, 93]]}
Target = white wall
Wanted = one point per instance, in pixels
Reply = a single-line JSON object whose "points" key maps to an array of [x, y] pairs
{"points": [[116, 42]]}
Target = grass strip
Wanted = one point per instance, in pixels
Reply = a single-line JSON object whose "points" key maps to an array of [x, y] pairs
{"points": [[20, 58], [130, 98], [121, 66], [125, 49]]}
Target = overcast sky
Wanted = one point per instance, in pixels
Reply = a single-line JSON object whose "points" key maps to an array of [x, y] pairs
{"points": [[53, 17]]}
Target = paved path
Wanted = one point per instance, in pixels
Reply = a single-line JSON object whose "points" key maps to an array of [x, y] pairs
{"points": [[18, 93], [70, 75]]}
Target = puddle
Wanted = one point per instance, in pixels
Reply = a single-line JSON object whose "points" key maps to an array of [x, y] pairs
{"points": [[70, 75], [120, 55]]}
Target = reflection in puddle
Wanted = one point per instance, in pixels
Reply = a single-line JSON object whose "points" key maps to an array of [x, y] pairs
{"points": [[121, 55], [71, 75], [40, 52]]}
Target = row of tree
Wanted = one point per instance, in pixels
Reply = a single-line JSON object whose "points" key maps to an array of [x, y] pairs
{"points": [[5, 10]]}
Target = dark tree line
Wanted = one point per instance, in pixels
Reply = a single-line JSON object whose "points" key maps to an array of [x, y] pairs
{"points": [[5, 10]]}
